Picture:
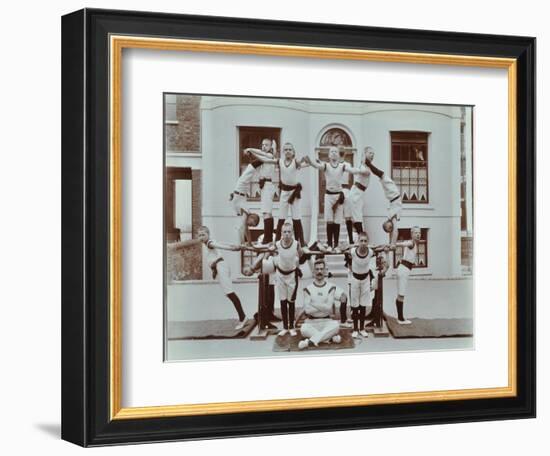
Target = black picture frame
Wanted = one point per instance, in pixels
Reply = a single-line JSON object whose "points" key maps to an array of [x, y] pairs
{"points": [[85, 228]]}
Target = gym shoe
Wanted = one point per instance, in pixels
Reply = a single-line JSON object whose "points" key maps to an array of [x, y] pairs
{"points": [[337, 339], [303, 344], [346, 325], [282, 332], [241, 325], [404, 322], [364, 333], [293, 332], [355, 335]]}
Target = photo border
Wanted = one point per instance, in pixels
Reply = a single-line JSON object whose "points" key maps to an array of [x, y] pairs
{"points": [[93, 42]]}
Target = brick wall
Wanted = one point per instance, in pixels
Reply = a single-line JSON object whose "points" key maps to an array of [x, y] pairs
{"points": [[185, 135], [196, 217]]}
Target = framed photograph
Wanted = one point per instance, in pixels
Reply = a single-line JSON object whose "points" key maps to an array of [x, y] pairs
{"points": [[277, 227]]}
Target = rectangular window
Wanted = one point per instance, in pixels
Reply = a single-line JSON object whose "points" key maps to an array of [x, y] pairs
{"points": [[181, 264], [404, 234], [409, 165], [252, 137]]}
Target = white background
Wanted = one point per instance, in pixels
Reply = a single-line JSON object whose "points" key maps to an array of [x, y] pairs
{"points": [[30, 229], [148, 73]]}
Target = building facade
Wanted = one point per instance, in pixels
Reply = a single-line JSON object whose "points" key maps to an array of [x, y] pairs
{"points": [[426, 149]]}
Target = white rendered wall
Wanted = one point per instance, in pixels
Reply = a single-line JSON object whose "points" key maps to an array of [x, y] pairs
{"points": [[369, 124]]}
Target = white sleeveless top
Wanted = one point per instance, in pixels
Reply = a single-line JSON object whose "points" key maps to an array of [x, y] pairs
{"points": [[410, 254], [267, 170], [289, 174], [363, 179], [344, 180], [362, 265], [390, 189], [334, 175], [212, 253], [287, 258], [319, 300]]}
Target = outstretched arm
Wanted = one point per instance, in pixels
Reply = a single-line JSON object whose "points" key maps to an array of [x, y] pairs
{"points": [[316, 164], [184, 244], [223, 246], [302, 163], [409, 244], [353, 170], [316, 248], [380, 248], [260, 248], [264, 157], [374, 169]]}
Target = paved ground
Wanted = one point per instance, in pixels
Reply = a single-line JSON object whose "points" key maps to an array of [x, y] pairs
{"points": [[426, 299]]}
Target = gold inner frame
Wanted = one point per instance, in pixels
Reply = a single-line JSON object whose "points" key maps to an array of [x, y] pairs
{"points": [[117, 44]]}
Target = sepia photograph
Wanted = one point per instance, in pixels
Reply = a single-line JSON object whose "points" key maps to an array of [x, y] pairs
{"points": [[312, 227]]}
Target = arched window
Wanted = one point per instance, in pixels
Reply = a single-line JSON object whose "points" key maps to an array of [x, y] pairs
{"points": [[335, 137]]}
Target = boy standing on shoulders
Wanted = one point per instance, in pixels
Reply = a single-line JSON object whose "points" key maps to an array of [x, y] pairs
{"points": [[266, 176], [334, 171]]}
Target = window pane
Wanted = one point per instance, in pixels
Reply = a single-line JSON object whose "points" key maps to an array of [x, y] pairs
{"points": [[409, 165], [171, 111], [182, 207]]}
